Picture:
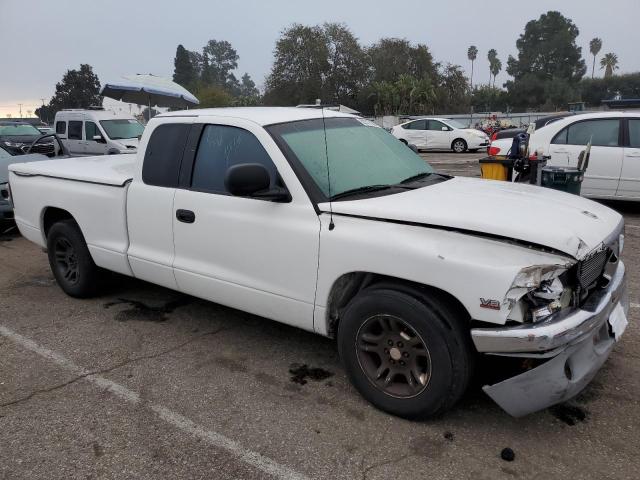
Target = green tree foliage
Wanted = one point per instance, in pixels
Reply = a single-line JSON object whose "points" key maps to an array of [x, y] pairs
{"points": [[452, 90], [392, 57], [595, 45], [222, 59], [184, 72], [593, 91], [77, 89], [610, 63], [214, 96], [547, 50]]}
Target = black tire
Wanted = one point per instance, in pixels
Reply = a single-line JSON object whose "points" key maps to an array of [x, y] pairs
{"points": [[475, 150], [437, 323], [459, 145], [70, 260]]}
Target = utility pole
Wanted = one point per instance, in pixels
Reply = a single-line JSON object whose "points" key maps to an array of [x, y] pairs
{"points": [[41, 118], [20, 105]]}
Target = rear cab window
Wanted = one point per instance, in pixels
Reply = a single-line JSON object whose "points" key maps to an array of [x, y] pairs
{"points": [[163, 156]]}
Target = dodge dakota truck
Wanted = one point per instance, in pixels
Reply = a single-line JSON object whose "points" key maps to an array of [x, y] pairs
{"points": [[326, 222]]}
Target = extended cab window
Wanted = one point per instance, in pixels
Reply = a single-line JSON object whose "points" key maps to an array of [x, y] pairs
{"points": [[222, 147], [75, 130], [61, 128], [163, 155], [602, 133]]}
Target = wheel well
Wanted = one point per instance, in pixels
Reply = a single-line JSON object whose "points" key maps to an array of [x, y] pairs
{"points": [[455, 140], [53, 215], [404, 141], [349, 285]]}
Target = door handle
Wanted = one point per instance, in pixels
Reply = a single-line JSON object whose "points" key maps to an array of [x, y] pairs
{"points": [[185, 216]]}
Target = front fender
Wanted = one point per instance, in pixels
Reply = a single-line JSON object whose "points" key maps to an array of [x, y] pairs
{"points": [[477, 271]]}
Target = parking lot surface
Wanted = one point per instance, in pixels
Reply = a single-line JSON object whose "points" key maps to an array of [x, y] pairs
{"points": [[144, 382]]}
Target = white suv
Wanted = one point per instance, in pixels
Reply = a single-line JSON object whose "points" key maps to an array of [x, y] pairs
{"points": [[440, 134], [614, 165], [97, 132]]}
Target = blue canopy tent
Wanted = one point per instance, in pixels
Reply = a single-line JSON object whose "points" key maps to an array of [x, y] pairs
{"points": [[147, 89]]}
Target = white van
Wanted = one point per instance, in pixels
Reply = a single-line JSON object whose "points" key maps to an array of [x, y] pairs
{"points": [[97, 131]]}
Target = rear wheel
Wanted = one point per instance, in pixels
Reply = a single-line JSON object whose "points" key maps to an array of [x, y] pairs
{"points": [[70, 260], [407, 355], [459, 145]]}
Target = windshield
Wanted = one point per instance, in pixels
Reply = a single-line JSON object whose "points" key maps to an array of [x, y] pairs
{"points": [[19, 129], [122, 128], [4, 154], [360, 153], [456, 124]]}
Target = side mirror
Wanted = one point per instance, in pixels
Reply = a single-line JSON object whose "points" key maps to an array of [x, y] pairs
{"points": [[253, 180], [99, 139], [445, 129]]}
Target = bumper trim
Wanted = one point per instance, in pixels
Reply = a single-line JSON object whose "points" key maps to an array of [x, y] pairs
{"points": [[558, 331]]}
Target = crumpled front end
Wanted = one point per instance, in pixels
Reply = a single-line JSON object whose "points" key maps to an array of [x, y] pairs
{"points": [[572, 345]]}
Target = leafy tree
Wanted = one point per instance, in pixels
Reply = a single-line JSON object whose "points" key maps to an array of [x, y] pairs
{"points": [[392, 57], [77, 89], [452, 94], [595, 45], [184, 73], [547, 50], [248, 87], [347, 65], [610, 63], [223, 58], [593, 91], [472, 54], [214, 96], [299, 68]]}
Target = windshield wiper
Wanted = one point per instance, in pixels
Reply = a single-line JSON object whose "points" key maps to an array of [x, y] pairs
{"points": [[419, 176], [358, 190]]}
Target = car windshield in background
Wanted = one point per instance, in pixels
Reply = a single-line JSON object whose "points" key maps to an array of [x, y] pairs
{"points": [[122, 128], [4, 154], [18, 130], [360, 154], [456, 124]]}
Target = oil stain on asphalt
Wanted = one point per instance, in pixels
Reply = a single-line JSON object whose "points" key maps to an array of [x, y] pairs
{"points": [[140, 311], [300, 373], [569, 414]]}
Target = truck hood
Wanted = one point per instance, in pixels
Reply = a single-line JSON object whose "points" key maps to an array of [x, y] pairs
{"points": [[128, 142], [540, 216]]}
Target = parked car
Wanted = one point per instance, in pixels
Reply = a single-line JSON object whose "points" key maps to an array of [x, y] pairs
{"points": [[501, 140], [440, 134], [7, 158], [614, 165], [324, 221], [17, 137], [98, 131]]}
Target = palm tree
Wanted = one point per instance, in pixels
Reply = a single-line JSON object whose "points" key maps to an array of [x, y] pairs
{"points": [[594, 47], [492, 55], [495, 69], [472, 54], [610, 63]]}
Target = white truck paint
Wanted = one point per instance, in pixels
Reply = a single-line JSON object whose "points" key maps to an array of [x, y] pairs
{"points": [[486, 244]]}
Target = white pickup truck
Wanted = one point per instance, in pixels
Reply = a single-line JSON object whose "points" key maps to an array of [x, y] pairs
{"points": [[324, 221]]}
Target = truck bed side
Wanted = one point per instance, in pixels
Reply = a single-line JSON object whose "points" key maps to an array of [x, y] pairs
{"points": [[98, 207]]}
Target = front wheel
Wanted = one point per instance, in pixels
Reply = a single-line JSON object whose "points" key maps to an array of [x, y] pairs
{"points": [[459, 146], [70, 260], [407, 355]]}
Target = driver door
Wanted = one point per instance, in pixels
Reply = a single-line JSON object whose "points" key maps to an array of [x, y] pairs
{"points": [[91, 146], [255, 255]]}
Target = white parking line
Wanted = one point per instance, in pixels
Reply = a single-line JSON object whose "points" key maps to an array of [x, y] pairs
{"points": [[251, 458]]}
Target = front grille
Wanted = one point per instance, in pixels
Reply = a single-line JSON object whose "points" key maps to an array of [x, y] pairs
{"points": [[592, 268]]}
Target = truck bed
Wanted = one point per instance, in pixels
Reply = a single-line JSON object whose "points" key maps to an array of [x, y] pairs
{"points": [[105, 169], [93, 190]]}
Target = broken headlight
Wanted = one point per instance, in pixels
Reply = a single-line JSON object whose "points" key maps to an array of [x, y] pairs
{"points": [[539, 292]]}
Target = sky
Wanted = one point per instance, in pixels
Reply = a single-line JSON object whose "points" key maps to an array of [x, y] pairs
{"points": [[119, 37]]}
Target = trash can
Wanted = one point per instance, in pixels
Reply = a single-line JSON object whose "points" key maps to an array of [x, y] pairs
{"points": [[496, 169], [566, 179]]}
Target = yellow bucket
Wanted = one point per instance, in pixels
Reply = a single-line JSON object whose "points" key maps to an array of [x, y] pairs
{"points": [[494, 171]]}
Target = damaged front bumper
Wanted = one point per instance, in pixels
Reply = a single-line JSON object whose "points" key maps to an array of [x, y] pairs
{"points": [[576, 344]]}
